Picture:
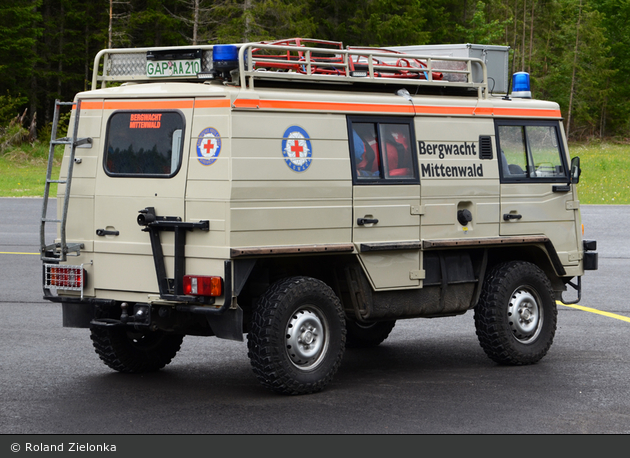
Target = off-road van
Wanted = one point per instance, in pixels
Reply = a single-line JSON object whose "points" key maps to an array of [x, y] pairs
{"points": [[309, 195]]}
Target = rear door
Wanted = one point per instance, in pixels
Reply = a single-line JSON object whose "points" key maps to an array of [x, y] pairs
{"points": [[536, 197], [386, 200], [144, 164]]}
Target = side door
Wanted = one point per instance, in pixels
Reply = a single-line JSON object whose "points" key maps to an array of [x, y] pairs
{"points": [[386, 200], [143, 165], [536, 197]]}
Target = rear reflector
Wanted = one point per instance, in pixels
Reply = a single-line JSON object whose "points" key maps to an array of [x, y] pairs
{"points": [[200, 285], [64, 277]]}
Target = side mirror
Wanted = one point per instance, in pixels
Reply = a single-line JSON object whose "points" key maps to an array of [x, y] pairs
{"points": [[575, 170]]}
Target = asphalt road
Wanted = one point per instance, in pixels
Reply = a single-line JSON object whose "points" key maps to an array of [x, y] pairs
{"points": [[429, 377]]}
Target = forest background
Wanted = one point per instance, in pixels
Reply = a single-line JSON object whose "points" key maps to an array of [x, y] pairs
{"points": [[576, 51]]}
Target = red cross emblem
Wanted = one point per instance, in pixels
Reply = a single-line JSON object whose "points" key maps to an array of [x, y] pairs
{"points": [[209, 146], [296, 148]]}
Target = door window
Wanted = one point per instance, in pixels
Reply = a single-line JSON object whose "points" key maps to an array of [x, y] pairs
{"points": [[382, 151], [144, 143], [530, 151]]}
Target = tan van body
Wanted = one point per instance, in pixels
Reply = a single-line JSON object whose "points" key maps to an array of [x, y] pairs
{"points": [[260, 192]]}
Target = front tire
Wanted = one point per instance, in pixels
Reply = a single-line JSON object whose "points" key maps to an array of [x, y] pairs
{"points": [[135, 352], [298, 336], [516, 315]]}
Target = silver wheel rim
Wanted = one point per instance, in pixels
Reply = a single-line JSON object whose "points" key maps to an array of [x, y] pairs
{"points": [[307, 338], [525, 315]]}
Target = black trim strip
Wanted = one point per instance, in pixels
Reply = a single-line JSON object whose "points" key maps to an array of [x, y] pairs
{"points": [[511, 240], [366, 247], [292, 249]]}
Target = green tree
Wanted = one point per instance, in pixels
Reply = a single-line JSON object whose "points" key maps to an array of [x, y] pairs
{"points": [[150, 24], [576, 70], [71, 34], [616, 27], [389, 23], [480, 30], [376, 22], [261, 20], [19, 32]]}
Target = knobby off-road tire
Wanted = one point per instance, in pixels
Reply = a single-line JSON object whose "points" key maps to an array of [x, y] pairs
{"points": [[297, 337], [367, 335], [516, 315], [135, 352]]}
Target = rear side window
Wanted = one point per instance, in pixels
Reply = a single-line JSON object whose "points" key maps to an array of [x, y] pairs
{"points": [[531, 151], [144, 143], [382, 150]]}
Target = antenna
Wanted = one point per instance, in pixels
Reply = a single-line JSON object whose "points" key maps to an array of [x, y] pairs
{"points": [[404, 93]]}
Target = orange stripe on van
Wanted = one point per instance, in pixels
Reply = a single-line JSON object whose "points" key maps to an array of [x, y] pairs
{"points": [[335, 106], [521, 112], [344, 107], [401, 109], [487, 111], [90, 105], [148, 105], [532, 112], [246, 103], [447, 110]]}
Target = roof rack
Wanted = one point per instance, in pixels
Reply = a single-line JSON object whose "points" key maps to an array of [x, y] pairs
{"points": [[354, 64], [294, 60]]}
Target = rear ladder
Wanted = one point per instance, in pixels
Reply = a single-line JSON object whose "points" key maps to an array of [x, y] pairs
{"points": [[58, 251]]}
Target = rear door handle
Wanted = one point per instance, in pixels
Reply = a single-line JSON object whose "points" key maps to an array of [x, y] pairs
{"points": [[509, 216], [104, 232], [364, 221]]}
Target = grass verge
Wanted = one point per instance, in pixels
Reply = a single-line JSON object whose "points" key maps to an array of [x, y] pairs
{"points": [[23, 171], [605, 172]]}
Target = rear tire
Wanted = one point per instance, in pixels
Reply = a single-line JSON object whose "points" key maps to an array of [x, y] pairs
{"points": [[298, 336], [135, 352], [368, 335], [516, 315]]}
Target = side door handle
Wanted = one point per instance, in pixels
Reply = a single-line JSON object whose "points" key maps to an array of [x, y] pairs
{"points": [[509, 216], [364, 221]]}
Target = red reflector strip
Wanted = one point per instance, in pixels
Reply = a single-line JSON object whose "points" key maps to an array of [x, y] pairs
{"points": [[201, 285]]}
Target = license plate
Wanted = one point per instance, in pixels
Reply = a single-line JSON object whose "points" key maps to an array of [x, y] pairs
{"points": [[170, 68]]}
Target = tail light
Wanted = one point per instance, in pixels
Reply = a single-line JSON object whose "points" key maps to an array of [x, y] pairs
{"points": [[201, 285], [64, 277]]}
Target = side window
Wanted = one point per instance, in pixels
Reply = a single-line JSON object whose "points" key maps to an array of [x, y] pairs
{"points": [[382, 150], [144, 143], [530, 151]]}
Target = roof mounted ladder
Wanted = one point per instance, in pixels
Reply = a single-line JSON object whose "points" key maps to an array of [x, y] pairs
{"points": [[57, 252]]}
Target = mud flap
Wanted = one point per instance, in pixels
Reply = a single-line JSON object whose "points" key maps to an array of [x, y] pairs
{"points": [[76, 315], [228, 325]]}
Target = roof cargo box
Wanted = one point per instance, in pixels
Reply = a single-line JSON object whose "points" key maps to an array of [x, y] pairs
{"points": [[495, 58]]}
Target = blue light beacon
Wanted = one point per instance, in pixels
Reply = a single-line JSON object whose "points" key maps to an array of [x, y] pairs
{"points": [[520, 85]]}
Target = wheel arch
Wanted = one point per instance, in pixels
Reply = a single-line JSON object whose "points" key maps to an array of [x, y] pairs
{"points": [[536, 254]]}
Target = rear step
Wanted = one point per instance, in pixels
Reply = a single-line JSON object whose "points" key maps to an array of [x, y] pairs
{"points": [[58, 251]]}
